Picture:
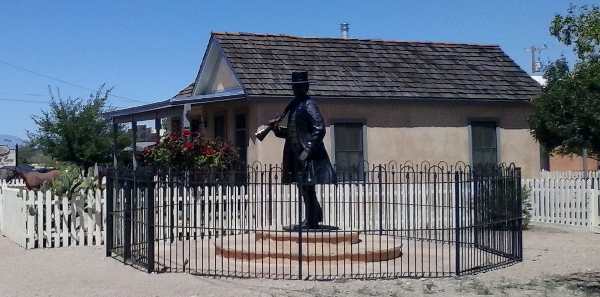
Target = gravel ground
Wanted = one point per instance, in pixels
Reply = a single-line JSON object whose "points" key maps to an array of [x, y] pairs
{"points": [[558, 262]]}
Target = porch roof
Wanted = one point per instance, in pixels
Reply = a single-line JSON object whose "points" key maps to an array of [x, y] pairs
{"points": [[165, 107]]}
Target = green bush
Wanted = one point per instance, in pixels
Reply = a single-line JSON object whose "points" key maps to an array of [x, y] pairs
{"points": [[73, 183]]}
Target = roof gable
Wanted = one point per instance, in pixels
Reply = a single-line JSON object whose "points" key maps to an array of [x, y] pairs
{"points": [[373, 68], [214, 77]]}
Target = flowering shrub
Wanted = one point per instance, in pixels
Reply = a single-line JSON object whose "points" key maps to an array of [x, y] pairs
{"points": [[191, 152]]}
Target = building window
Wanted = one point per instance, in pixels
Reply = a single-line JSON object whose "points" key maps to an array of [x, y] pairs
{"points": [[219, 122], [484, 143], [195, 126], [241, 137], [349, 150], [176, 126]]}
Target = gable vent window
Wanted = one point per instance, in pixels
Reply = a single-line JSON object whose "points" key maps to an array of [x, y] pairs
{"points": [[349, 150], [484, 144]]}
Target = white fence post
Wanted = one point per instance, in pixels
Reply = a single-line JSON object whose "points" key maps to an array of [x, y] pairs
{"points": [[40, 219], [594, 197], [12, 216], [566, 198]]}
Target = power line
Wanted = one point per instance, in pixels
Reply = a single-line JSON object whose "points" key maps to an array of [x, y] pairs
{"points": [[24, 100], [35, 101], [21, 68], [25, 94]]}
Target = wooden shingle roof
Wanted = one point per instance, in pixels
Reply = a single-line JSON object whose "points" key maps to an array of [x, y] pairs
{"points": [[361, 68], [187, 91]]}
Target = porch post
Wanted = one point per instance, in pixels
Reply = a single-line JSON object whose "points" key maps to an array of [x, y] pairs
{"points": [[230, 125], [185, 117], [203, 120], [157, 126], [133, 141]]}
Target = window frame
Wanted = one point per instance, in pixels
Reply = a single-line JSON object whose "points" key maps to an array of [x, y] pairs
{"points": [[334, 146], [490, 121]]}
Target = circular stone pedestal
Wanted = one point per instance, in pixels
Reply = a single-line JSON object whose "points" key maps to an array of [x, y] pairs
{"points": [[310, 237], [316, 246]]}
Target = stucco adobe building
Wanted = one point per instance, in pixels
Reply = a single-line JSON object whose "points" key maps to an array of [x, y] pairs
{"points": [[382, 100]]}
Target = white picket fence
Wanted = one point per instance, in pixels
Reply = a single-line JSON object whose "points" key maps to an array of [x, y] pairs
{"points": [[572, 201], [351, 207], [410, 208], [17, 182], [42, 220], [569, 174], [37, 219]]}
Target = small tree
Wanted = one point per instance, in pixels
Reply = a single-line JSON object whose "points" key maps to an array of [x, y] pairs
{"points": [[74, 130], [29, 154], [567, 114]]}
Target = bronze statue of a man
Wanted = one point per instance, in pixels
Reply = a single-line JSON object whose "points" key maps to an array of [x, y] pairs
{"points": [[305, 160]]}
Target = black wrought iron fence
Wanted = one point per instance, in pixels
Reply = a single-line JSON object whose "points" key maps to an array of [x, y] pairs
{"points": [[393, 221]]}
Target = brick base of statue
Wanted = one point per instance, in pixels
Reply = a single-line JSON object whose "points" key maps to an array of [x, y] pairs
{"points": [[316, 246]]}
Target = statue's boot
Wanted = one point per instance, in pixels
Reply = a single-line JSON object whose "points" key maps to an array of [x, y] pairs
{"points": [[319, 213], [306, 224], [313, 211]]}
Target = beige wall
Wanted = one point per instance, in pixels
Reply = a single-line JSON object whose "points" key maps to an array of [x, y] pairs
{"points": [[399, 131], [450, 144], [572, 163], [518, 146]]}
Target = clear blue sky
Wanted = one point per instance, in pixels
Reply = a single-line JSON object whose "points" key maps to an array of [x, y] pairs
{"points": [[148, 50]]}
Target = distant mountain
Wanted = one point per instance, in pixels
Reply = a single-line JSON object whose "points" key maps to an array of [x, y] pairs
{"points": [[10, 140]]}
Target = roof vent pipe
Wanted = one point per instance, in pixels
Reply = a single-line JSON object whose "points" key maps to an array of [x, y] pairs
{"points": [[344, 27]]}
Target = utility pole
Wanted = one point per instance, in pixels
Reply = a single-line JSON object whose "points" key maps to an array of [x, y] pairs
{"points": [[536, 64]]}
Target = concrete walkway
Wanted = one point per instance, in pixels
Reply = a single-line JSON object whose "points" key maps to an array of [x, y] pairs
{"points": [[557, 263]]}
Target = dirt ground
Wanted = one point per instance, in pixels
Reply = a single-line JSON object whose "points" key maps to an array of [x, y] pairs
{"points": [[558, 262]]}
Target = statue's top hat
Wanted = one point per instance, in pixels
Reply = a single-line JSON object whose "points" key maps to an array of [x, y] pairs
{"points": [[299, 77]]}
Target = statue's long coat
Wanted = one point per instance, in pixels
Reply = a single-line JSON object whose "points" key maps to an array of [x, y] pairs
{"points": [[310, 129]]}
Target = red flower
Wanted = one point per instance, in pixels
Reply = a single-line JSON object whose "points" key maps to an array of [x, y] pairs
{"points": [[148, 150], [173, 137], [208, 151], [187, 133], [188, 146]]}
